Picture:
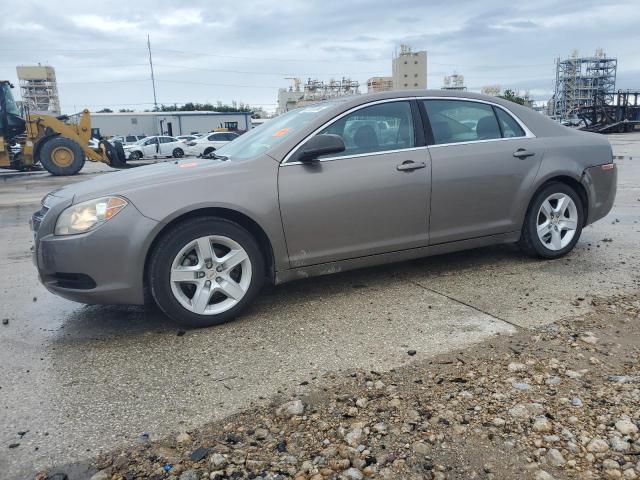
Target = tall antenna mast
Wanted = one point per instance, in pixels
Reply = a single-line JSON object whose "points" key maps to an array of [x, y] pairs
{"points": [[153, 80]]}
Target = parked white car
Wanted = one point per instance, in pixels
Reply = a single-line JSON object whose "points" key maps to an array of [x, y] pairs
{"points": [[94, 143], [154, 147], [187, 138], [126, 139], [209, 143]]}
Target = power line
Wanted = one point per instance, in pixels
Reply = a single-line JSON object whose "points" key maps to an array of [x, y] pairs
{"points": [[186, 82], [151, 103], [216, 70], [306, 60], [219, 84]]}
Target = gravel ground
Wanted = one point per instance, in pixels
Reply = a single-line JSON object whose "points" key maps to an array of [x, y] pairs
{"points": [[558, 401]]}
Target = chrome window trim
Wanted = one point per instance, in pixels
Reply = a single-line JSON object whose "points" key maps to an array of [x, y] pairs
{"points": [[335, 119], [528, 133]]}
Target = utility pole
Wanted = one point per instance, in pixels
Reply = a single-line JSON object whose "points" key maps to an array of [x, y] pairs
{"points": [[153, 80]]}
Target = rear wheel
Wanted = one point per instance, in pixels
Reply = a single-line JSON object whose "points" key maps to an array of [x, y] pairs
{"points": [[208, 151], [554, 222], [205, 270], [61, 156], [135, 155]]}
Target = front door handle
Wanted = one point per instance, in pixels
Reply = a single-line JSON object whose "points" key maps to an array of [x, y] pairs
{"points": [[522, 153], [409, 165]]}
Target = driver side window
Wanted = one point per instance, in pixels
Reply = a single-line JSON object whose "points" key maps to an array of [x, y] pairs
{"points": [[378, 128]]}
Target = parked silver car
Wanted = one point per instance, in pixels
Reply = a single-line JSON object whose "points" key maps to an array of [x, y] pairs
{"points": [[321, 189]]}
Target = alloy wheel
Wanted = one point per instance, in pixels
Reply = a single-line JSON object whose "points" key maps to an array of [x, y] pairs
{"points": [[210, 275], [557, 221]]}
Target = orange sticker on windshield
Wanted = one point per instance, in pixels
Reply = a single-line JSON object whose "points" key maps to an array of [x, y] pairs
{"points": [[281, 132], [188, 165]]}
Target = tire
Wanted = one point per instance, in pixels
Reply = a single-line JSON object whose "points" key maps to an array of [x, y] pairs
{"points": [[178, 299], [135, 155], [121, 156], [115, 154], [208, 151], [61, 156], [555, 243], [178, 153]]}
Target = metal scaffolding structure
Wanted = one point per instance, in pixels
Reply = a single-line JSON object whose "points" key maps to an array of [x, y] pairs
{"points": [[454, 82], [580, 80], [39, 89], [314, 91]]}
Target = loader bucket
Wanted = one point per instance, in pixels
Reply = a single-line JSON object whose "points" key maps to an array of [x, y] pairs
{"points": [[115, 154]]}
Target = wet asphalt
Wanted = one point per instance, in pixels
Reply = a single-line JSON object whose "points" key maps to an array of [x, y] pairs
{"points": [[83, 379]]}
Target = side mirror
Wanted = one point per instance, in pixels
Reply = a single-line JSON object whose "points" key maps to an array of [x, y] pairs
{"points": [[319, 145]]}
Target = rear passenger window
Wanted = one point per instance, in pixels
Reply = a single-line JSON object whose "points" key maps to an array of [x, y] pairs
{"points": [[131, 138], [378, 128], [454, 121], [510, 127]]}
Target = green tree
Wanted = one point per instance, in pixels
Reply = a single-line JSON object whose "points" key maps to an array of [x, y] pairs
{"points": [[513, 97], [206, 107]]}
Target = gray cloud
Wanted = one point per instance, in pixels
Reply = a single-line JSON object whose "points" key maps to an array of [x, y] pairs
{"points": [[206, 51]]}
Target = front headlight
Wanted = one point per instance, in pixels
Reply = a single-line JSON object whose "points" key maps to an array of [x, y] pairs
{"points": [[86, 216]]}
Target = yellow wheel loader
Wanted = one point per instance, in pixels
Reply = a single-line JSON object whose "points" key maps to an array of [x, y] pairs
{"points": [[60, 148]]}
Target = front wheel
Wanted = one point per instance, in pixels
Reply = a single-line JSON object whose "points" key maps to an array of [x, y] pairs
{"points": [[178, 153], [135, 155], [204, 271], [61, 156], [553, 223]]}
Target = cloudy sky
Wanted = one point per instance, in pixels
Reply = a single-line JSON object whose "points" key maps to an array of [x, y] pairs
{"points": [[206, 51]]}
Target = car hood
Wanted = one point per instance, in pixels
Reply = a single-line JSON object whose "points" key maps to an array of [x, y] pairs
{"points": [[159, 175]]}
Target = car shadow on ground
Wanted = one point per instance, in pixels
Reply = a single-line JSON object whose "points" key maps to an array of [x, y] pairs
{"points": [[91, 322]]}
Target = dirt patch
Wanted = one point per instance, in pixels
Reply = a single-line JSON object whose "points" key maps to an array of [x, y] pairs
{"points": [[561, 401]]}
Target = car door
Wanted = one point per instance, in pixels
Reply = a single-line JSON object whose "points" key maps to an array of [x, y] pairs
{"points": [[150, 147], [167, 145], [484, 161], [372, 198]]}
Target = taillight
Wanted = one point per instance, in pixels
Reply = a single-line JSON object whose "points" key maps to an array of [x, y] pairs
{"points": [[608, 166]]}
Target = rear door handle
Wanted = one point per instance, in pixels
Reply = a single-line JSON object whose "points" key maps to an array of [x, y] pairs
{"points": [[409, 165], [522, 153]]}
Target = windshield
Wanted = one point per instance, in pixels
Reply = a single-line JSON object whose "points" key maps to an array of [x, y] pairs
{"points": [[12, 108], [274, 131]]}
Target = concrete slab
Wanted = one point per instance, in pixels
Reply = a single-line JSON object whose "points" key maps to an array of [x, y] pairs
{"points": [[81, 379]]}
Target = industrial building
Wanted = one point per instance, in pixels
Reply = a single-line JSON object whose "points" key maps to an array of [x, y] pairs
{"points": [[409, 69], [314, 91], [379, 84], [39, 89], [493, 90], [454, 82], [582, 82], [167, 123], [409, 72]]}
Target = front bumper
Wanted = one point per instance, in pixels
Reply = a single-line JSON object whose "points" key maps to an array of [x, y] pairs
{"points": [[103, 266], [601, 183]]}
